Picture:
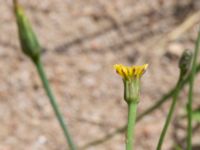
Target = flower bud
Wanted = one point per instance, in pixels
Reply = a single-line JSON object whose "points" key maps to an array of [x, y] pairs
{"points": [[28, 40], [185, 63]]}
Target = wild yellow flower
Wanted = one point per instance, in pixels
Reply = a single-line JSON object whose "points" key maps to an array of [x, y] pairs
{"points": [[132, 72], [131, 77]]}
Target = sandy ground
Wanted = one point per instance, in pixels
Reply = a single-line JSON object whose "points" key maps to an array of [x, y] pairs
{"points": [[82, 39]]}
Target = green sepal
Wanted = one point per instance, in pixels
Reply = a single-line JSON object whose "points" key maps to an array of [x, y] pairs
{"points": [[131, 90]]}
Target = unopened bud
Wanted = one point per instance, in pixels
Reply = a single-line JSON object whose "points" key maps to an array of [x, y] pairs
{"points": [[28, 39], [185, 63]]}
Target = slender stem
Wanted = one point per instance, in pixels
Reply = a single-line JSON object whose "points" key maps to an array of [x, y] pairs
{"points": [[190, 95], [132, 110], [54, 104], [169, 116]]}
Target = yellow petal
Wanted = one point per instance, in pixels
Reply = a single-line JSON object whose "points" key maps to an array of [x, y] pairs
{"points": [[130, 72], [140, 70]]}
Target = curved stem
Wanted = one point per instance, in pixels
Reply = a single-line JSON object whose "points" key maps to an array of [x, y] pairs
{"points": [[132, 110], [169, 116], [54, 104]]}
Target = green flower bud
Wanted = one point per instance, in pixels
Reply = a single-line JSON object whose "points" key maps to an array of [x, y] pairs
{"points": [[185, 63], [28, 39]]}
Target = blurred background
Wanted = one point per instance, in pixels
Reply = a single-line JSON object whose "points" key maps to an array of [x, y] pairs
{"points": [[82, 40]]}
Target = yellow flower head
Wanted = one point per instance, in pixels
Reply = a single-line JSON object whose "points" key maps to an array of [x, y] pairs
{"points": [[132, 72]]}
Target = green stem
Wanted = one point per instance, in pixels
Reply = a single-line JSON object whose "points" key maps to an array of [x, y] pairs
{"points": [[54, 104], [169, 116], [132, 110], [190, 95]]}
